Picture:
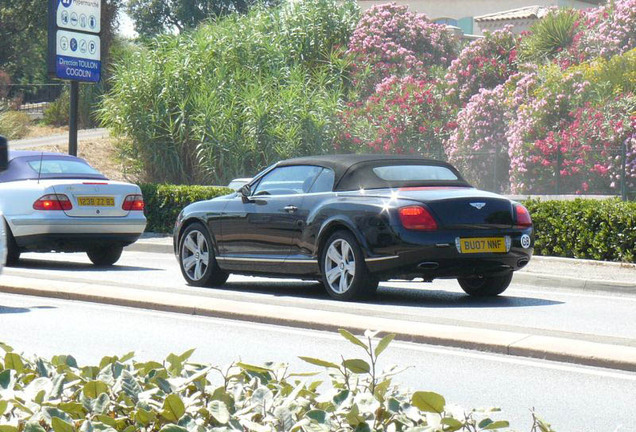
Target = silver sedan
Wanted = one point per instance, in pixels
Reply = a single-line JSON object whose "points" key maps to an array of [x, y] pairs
{"points": [[56, 202]]}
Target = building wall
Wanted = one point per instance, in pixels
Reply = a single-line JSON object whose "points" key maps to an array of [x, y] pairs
{"points": [[465, 10]]}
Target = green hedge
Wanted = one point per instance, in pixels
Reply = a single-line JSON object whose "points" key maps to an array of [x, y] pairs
{"points": [[584, 228], [164, 202], [123, 394]]}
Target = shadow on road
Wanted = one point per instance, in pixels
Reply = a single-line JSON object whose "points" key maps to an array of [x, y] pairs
{"points": [[427, 297], [15, 310], [392, 295], [27, 263], [12, 310]]}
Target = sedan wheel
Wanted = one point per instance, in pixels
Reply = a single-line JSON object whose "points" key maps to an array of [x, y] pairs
{"points": [[196, 258], [344, 272], [105, 256], [485, 286]]}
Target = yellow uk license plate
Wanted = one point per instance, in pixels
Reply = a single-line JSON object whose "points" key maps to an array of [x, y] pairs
{"points": [[482, 245], [96, 201]]}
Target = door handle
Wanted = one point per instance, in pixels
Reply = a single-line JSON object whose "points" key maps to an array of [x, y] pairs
{"points": [[290, 209]]}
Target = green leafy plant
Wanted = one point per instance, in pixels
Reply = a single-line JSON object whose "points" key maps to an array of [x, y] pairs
{"points": [[175, 395], [164, 202], [591, 229], [235, 95], [57, 112]]}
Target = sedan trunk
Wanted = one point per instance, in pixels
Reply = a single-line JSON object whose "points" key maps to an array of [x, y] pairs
{"points": [[95, 199]]}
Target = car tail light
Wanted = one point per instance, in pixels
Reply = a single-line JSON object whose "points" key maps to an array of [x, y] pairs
{"points": [[53, 202], [522, 216], [133, 203], [417, 218]]}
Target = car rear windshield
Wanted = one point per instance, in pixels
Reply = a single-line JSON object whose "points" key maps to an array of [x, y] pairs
{"points": [[397, 174], [415, 173], [64, 167]]}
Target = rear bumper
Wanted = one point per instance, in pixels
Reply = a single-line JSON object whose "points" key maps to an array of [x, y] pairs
{"points": [[23, 227], [73, 242], [438, 257], [64, 234], [432, 266]]}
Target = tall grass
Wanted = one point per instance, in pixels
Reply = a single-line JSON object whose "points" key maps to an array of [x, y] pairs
{"points": [[233, 96], [14, 124]]}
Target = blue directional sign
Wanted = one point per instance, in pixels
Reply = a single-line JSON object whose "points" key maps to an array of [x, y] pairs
{"points": [[74, 40], [77, 56]]}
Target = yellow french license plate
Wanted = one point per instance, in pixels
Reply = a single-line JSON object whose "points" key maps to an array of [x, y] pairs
{"points": [[96, 201], [482, 245]]}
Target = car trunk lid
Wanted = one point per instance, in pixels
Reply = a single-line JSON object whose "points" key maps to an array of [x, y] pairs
{"points": [[95, 198], [460, 207], [456, 207]]}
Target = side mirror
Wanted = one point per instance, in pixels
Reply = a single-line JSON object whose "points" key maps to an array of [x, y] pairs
{"points": [[245, 191], [4, 154]]}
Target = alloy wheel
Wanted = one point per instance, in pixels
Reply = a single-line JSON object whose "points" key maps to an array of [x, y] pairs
{"points": [[340, 266], [195, 255]]}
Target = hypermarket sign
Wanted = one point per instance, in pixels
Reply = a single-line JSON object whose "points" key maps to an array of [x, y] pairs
{"points": [[74, 41]]}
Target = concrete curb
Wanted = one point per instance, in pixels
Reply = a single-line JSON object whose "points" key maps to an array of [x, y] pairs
{"points": [[151, 247], [552, 281], [504, 342], [156, 244]]}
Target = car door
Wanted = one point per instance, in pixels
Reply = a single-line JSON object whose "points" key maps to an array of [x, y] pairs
{"points": [[257, 232]]}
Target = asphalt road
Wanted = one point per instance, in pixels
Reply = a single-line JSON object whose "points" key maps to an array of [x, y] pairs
{"points": [[62, 139], [572, 398], [568, 313]]}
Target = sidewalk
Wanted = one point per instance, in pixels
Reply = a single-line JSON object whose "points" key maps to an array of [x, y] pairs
{"points": [[541, 271]]}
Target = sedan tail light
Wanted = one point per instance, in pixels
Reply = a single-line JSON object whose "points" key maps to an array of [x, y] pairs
{"points": [[53, 202], [522, 216], [417, 218], [133, 203]]}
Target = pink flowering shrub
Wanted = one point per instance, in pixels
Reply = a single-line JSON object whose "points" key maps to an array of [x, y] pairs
{"points": [[604, 31], [478, 146], [563, 139], [612, 29], [404, 115], [544, 106], [484, 63], [582, 151], [392, 41], [557, 117], [623, 129]]}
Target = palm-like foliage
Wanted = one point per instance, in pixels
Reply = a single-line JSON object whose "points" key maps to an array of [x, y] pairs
{"points": [[550, 35]]}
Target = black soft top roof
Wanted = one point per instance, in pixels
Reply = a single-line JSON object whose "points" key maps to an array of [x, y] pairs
{"points": [[19, 168], [354, 171]]}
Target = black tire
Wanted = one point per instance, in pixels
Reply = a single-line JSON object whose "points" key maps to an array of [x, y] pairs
{"points": [[485, 286], [196, 258], [344, 272], [13, 251], [105, 256]]}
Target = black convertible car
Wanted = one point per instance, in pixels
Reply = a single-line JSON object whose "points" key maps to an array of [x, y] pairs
{"points": [[353, 220]]}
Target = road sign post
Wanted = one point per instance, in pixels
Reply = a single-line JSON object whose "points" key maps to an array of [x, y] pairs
{"points": [[74, 50]]}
